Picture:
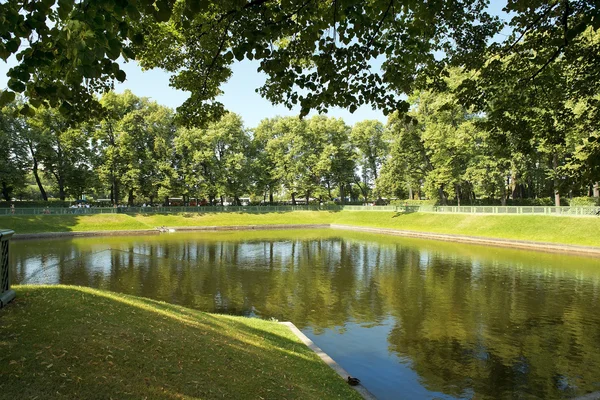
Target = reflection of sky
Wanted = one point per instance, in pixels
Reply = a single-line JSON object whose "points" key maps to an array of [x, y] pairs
{"points": [[363, 352]]}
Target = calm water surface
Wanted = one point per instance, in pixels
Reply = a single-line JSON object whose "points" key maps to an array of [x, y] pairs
{"points": [[413, 319]]}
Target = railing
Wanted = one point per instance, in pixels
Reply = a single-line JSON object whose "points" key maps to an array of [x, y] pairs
{"points": [[6, 294], [57, 211], [196, 209], [545, 210], [512, 210]]}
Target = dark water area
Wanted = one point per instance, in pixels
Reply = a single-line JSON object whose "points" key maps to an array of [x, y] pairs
{"points": [[413, 319]]}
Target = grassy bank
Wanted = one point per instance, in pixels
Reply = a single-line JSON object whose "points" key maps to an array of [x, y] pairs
{"points": [[71, 342], [70, 223], [565, 230]]}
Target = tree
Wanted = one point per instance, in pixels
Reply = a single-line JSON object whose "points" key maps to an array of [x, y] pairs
{"points": [[13, 151], [63, 151], [215, 161], [436, 144], [67, 51], [87, 37], [369, 139], [336, 163], [264, 164], [296, 149], [141, 135], [133, 150]]}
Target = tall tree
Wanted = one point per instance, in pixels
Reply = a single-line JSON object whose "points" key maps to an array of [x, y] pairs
{"points": [[63, 151], [369, 139], [13, 151]]}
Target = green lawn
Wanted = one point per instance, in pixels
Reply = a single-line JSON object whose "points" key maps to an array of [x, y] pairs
{"points": [[72, 342], [565, 230], [68, 223]]}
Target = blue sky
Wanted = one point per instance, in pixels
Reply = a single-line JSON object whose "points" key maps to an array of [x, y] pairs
{"points": [[239, 92]]}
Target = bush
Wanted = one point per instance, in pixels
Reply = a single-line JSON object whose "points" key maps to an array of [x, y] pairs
{"points": [[413, 202], [585, 201], [542, 201]]}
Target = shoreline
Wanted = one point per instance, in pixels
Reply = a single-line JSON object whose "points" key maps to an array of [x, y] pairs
{"points": [[481, 240]]}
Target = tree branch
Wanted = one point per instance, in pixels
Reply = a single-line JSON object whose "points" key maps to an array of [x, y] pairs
{"points": [[529, 27], [379, 25], [561, 48], [216, 56]]}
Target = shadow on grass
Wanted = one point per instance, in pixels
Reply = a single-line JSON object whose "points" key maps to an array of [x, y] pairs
{"points": [[40, 223], [71, 342]]}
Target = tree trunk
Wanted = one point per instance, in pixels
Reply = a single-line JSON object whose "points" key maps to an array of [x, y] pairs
{"points": [[270, 195], [293, 199], [442, 195], [130, 198], [5, 191], [38, 180], [307, 197], [457, 191], [166, 203], [556, 188], [410, 193], [61, 188], [597, 189], [342, 194], [115, 190]]}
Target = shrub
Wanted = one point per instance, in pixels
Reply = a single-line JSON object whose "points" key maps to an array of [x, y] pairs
{"points": [[585, 201], [413, 202]]}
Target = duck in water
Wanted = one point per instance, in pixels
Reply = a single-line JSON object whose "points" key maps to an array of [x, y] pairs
{"points": [[353, 381]]}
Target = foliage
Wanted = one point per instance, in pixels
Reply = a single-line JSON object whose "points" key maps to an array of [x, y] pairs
{"points": [[584, 201]]}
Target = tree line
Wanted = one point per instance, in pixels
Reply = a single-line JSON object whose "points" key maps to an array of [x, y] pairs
{"points": [[441, 150]]}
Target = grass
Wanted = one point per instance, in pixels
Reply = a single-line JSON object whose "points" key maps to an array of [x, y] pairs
{"points": [[68, 223], [541, 228], [72, 342]]}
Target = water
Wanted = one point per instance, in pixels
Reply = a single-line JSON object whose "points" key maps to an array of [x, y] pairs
{"points": [[413, 319]]}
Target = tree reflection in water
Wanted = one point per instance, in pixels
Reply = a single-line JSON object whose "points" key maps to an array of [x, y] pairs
{"points": [[470, 321]]}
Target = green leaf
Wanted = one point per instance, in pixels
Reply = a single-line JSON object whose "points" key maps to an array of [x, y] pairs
{"points": [[138, 39], [16, 85], [6, 97], [120, 75], [114, 49], [13, 45]]}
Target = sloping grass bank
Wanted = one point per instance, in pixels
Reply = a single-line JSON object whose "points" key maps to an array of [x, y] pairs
{"points": [[71, 342], [70, 223], [540, 228]]}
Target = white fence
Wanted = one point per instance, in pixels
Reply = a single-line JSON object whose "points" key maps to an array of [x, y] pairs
{"points": [[546, 210]]}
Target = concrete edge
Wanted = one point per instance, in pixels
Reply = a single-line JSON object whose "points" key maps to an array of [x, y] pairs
{"points": [[156, 231], [7, 297], [589, 396], [522, 244], [247, 227], [328, 360]]}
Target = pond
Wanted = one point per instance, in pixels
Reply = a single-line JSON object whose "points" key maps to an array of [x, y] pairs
{"points": [[411, 318]]}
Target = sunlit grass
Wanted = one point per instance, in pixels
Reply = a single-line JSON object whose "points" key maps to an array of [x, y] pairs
{"points": [[540, 228], [68, 223], [73, 342]]}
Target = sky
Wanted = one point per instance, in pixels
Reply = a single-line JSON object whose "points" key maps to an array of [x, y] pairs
{"points": [[239, 92]]}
